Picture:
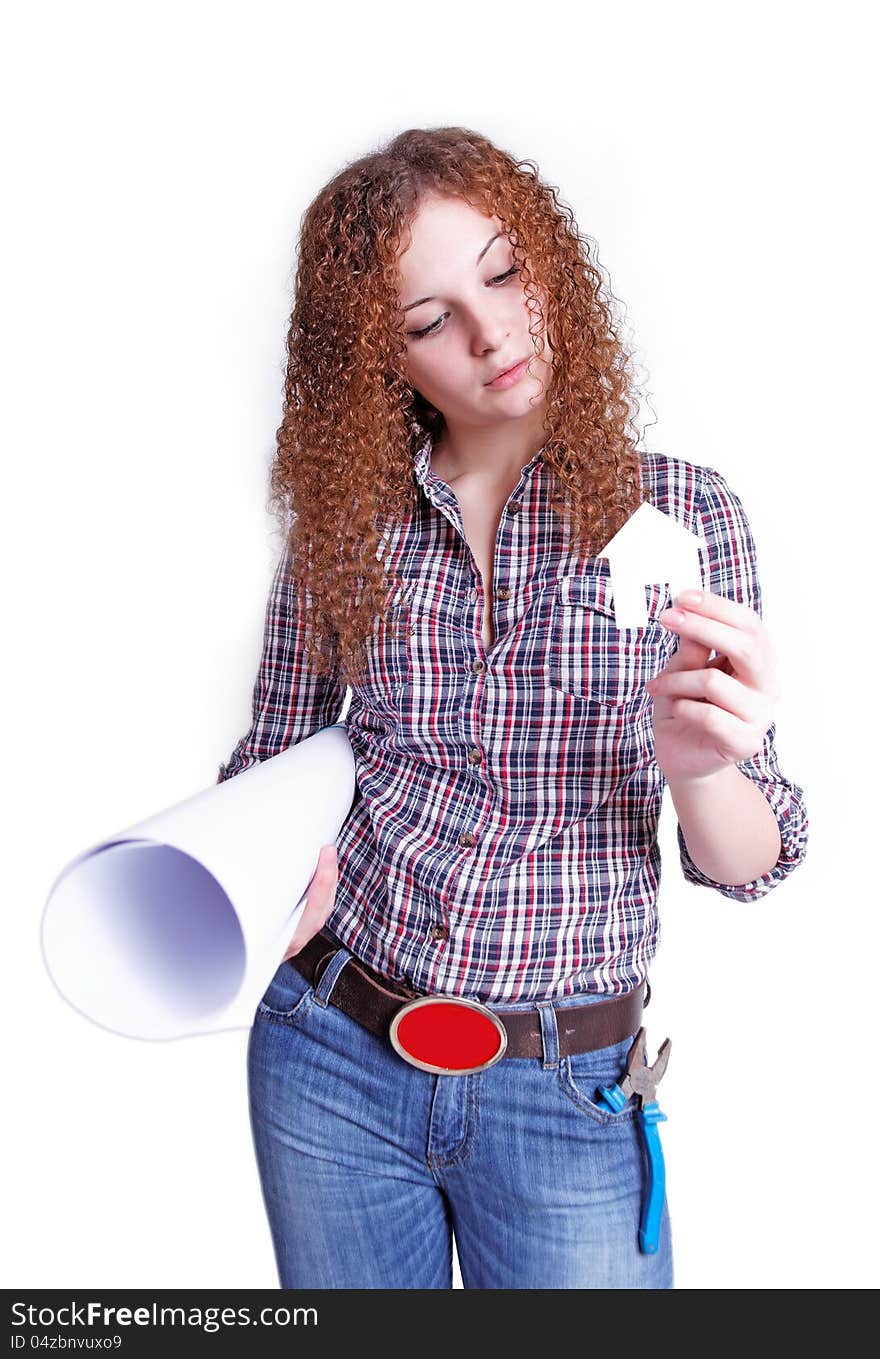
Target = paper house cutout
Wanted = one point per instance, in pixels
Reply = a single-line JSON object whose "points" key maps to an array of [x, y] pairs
{"points": [[650, 549]]}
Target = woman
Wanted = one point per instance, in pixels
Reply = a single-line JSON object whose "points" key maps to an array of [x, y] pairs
{"points": [[455, 451]]}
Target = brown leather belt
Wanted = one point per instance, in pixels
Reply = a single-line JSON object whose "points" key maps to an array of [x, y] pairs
{"points": [[374, 1001]]}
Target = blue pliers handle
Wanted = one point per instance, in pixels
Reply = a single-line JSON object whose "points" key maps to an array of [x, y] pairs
{"points": [[641, 1080]]}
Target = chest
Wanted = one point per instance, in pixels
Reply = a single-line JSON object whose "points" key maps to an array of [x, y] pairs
{"points": [[481, 516]]}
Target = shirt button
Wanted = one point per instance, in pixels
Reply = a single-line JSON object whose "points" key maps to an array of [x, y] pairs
{"points": [[503, 592], [478, 666], [439, 932], [467, 839], [475, 755], [515, 506], [473, 596]]}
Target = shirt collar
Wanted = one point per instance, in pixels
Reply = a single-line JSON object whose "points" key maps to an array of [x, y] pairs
{"points": [[422, 460]]}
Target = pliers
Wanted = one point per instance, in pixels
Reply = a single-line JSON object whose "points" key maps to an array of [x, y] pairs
{"points": [[642, 1080]]}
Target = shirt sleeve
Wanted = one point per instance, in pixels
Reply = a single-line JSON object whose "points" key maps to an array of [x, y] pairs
{"points": [[730, 569], [290, 702]]}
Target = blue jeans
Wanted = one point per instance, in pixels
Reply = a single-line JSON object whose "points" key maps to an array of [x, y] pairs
{"points": [[368, 1164]]}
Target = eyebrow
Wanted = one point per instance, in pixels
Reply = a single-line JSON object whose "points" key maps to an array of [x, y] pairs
{"points": [[479, 257]]}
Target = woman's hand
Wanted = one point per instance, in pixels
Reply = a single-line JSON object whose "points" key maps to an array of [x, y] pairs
{"points": [[709, 714], [320, 901]]}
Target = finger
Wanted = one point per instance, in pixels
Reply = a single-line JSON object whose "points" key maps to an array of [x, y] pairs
{"points": [[327, 865], [323, 884], [719, 607], [320, 900], [739, 740], [711, 686], [744, 648], [317, 909], [688, 655], [316, 913]]}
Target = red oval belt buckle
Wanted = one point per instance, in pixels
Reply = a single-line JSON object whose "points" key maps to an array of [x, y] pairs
{"points": [[448, 1035]]}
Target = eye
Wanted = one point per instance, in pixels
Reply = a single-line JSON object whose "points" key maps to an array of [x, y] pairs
{"points": [[428, 330], [501, 278], [436, 325]]}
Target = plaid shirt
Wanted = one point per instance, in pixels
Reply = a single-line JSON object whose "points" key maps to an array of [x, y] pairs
{"points": [[502, 844]]}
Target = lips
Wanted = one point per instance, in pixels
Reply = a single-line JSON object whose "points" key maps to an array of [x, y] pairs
{"points": [[502, 371]]}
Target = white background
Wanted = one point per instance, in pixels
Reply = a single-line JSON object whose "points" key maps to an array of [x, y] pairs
{"points": [[158, 160]]}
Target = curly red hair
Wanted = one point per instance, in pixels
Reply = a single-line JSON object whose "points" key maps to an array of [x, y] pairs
{"points": [[343, 469]]}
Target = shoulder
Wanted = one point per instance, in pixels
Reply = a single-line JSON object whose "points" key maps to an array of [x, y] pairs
{"points": [[701, 499], [679, 488]]}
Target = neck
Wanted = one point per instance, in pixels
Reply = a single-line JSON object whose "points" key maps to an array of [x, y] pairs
{"points": [[494, 452]]}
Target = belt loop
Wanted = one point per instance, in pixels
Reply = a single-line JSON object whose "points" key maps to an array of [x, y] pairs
{"points": [[549, 1034], [327, 980]]}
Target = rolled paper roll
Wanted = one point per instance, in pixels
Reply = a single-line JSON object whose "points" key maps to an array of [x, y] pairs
{"points": [[175, 926]]}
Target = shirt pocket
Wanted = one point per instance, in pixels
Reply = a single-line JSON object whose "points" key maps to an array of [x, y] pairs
{"points": [[387, 659], [590, 657]]}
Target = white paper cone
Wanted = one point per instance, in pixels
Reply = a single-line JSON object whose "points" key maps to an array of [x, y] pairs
{"points": [[176, 926]]}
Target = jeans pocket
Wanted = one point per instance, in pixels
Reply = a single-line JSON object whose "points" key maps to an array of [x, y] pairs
{"points": [[288, 997], [582, 1075]]}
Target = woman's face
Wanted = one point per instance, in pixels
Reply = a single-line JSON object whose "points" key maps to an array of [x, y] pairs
{"points": [[465, 316]]}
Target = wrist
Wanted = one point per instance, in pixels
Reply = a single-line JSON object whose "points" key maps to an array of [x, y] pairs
{"points": [[693, 782]]}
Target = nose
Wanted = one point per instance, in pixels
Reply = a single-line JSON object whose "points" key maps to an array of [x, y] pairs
{"points": [[489, 330]]}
